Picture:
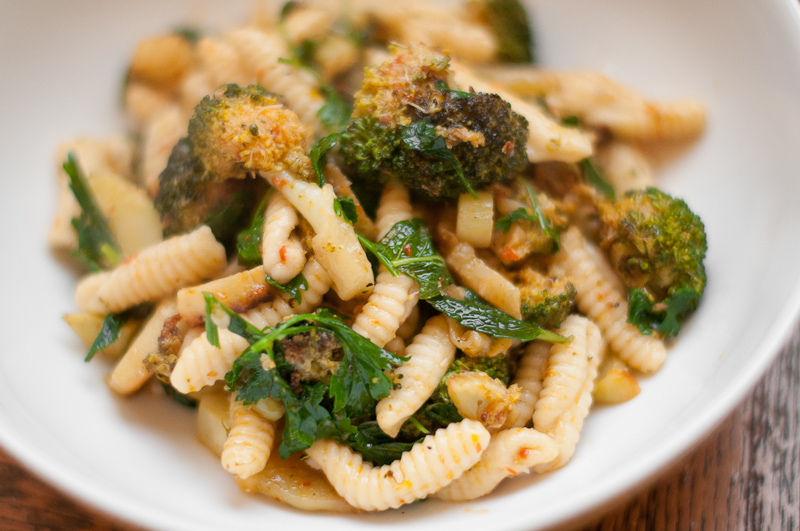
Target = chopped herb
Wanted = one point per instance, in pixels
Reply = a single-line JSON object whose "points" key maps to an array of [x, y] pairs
{"points": [[509, 23], [345, 208], [287, 8], [294, 287], [441, 85], [192, 35], [109, 333], [476, 314], [570, 121], [664, 317], [375, 446], [335, 114], [319, 154], [177, 396], [408, 249], [421, 136], [248, 241], [592, 176], [520, 214], [538, 217], [97, 247]]}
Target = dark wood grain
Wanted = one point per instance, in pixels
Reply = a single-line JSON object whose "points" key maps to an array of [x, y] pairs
{"points": [[743, 476]]}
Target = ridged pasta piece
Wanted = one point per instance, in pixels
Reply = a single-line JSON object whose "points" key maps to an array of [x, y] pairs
{"points": [[477, 344], [437, 26], [131, 371], [162, 61], [143, 102], [163, 269], [260, 52], [202, 364], [429, 466], [567, 429], [547, 138], [394, 206], [477, 275], [221, 62], [283, 256], [624, 166], [386, 308], [510, 452], [249, 442], [430, 354], [529, 377], [567, 369], [160, 136], [478, 396], [193, 88], [600, 299]]}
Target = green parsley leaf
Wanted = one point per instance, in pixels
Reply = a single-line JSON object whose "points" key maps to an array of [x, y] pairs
{"points": [[421, 136], [509, 23], [441, 86], [97, 246], [294, 287], [476, 314], [109, 333], [335, 114], [248, 241], [287, 8], [319, 153], [592, 176], [570, 121], [375, 446], [667, 319], [345, 208], [520, 214]]}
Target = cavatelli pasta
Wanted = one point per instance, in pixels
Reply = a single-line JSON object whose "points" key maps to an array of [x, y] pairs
{"points": [[86, 298], [605, 304], [567, 429], [510, 452], [529, 377], [163, 269], [160, 135], [429, 356], [567, 370], [249, 442], [386, 308], [394, 207], [221, 62], [283, 256], [430, 465], [624, 166]]}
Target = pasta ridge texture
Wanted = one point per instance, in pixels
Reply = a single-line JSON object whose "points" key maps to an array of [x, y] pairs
{"points": [[603, 303], [249, 442], [529, 377], [510, 452], [430, 354], [162, 269], [387, 307], [567, 370], [430, 465], [283, 257]]}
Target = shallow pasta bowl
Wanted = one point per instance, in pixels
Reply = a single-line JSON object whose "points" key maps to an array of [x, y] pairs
{"points": [[138, 458]]}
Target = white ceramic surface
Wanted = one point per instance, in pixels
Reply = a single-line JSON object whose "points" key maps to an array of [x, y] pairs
{"points": [[61, 65]]}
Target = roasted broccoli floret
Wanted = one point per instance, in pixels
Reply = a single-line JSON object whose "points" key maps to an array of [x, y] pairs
{"points": [[546, 301], [315, 356], [232, 133], [407, 124], [657, 245]]}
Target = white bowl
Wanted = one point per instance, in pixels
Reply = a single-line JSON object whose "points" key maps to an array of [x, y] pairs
{"points": [[62, 66]]}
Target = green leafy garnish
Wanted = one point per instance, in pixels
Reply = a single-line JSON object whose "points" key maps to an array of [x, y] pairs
{"points": [[192, 35], [97, 247], [374, 445], [474, 313], [109, 333], [335, 114], [408, 249], [441, 85], [570, 121], [345, 208], [248, 241], [294, 287], [664, 317], [592, 176], [509, 23], [359, 382], [538, 217], [421, 136], [319, 154]]}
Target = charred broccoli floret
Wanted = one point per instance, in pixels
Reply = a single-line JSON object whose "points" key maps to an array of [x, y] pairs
{"points": [[232, 133], [546, 301], [407, 124], [657, 245], [315, 355]]}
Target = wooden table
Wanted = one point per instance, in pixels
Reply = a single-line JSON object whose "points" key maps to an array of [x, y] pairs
{"points": [[743, 476]]}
